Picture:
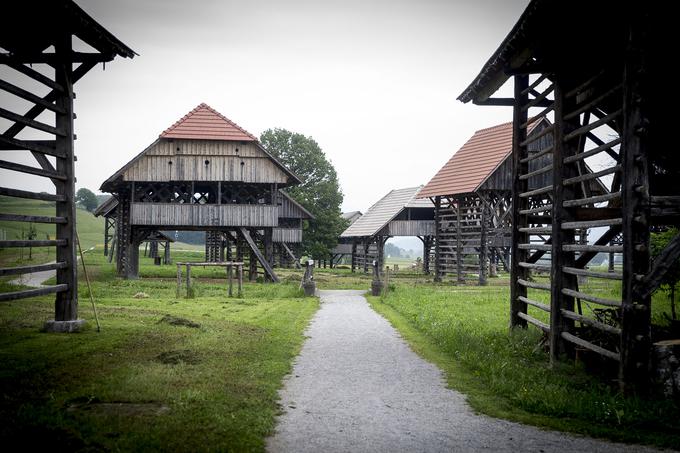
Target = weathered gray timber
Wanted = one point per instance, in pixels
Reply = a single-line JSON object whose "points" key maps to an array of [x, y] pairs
{"points": [[607, 99], [50, 41], [204, 173], [399, 213]]}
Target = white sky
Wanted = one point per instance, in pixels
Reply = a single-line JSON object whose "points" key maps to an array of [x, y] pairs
{"points": [[374, 83]]}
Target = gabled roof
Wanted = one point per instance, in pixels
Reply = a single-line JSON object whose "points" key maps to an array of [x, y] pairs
{"points": [[352, 216], [106, 207], [205, 123], [382, 212], [202, 123], [473, 163]]}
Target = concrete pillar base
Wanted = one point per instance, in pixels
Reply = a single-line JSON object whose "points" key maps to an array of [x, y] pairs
{"points": [[53, 326]]}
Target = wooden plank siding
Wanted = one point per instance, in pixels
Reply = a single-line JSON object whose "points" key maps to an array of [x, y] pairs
{"points": [[288, 235], [410, 228], [185, 160], [203, 215]]}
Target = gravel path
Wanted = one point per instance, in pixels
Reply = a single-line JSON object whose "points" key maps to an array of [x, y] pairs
{"points": [[358, 387], [34, 279]]}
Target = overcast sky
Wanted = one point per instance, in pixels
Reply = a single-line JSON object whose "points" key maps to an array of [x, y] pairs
{"points": [[373, 82]]}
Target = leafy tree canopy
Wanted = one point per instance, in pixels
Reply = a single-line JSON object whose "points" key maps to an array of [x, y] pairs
{"points": [[319, 192], [87, 199]]}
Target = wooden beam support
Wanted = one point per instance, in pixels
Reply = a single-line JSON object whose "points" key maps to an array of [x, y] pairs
{"points": [[256, 251]]}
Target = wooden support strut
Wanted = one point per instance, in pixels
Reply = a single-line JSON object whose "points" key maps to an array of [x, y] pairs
{"points": [[256, 251]]}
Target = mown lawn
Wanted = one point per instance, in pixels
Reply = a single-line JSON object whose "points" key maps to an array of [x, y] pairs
{"points": [[464, 330], [164, 373]]}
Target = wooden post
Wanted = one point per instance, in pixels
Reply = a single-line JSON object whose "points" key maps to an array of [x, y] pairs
{"points": [[230, 277], [459, 243], [188, 280], [518, 255], [107, 225], [560, 258], [483, 248], [240, 279], [166, 258], [66, 303], [437, 239], [634, 371], [179, 279], [268, 249], [427, 244], [367, 245], [252, 269], [354, 255]]}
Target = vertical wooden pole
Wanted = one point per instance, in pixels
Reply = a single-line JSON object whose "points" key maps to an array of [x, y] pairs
{"points": [[558, 257], [634, 371], [459, 243], [252, 271], [354, 255], [427, 244], [367, 245], [518, 255], [240, 280], [179, 279], [268, 249], [107, 224], [188, 280], [66, 302], [437, 239], [230, 277], [483, 247]]}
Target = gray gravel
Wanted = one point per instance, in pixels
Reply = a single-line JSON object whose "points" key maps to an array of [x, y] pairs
{"points": [[357, 386]]}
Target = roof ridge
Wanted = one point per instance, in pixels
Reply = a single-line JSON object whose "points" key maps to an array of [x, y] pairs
{"points": [[205, 106], [228, 120]]}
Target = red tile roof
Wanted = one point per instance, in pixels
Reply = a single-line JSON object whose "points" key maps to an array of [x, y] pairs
{"points": [[205, 123], [470, 166]]}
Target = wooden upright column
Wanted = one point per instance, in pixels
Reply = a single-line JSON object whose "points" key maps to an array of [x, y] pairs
{"points": [[519, 134], [268, 249], [483, 248], [561, 258], [66, 303], [437, 240], [634, 371]]}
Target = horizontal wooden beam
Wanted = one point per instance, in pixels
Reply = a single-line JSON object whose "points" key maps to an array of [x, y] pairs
{"points": [[531, 320], [53, 59], [30, 72], [31, 170], [502, 102], [591, 298], [30, 122], [23, 294], [588, 345], [30, 269], [41, 146], [30, 97], [31, 218], [16, 193]]}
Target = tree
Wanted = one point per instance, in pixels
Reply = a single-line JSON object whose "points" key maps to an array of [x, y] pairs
{"points": [[87, 199], [319, 192]]}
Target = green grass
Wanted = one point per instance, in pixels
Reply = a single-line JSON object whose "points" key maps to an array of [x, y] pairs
{"points": [[90, 230], [464, 330], [144, 383]]}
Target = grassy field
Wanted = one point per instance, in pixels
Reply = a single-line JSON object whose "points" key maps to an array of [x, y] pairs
{"points": [[164, 373], [464, 330]]}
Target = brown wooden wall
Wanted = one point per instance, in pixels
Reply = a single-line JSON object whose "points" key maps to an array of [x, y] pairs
{"points": [[288, 235], [185, 160], [198, 215]]}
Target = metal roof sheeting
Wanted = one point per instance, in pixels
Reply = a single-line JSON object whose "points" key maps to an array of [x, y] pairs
{"points": [[382, 212], [206, 123]]}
